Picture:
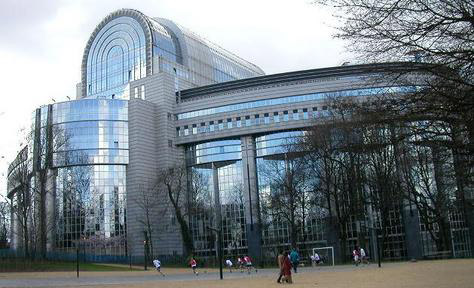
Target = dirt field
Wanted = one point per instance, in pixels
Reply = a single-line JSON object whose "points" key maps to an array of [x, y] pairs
{"points": [[433, 274]]}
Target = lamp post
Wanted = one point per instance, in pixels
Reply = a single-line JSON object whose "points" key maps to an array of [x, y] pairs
{"points": [[219, 248], [77, 259], [145, 253]]}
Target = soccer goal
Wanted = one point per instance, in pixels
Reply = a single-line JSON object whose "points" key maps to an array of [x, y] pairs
{"points": [[326, 254]]}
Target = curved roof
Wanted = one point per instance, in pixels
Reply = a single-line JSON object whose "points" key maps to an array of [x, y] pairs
{"points": [[144, 23], [159, 31]]}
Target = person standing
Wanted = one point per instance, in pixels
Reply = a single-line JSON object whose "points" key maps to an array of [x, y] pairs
{"points": [[295, 259], [280, 265], [286, 269], [229, 264]]}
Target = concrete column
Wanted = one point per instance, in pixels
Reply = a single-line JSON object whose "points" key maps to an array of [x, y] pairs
{"points": [[410, 217], [411, 225], [217, 204], [251, 198]]}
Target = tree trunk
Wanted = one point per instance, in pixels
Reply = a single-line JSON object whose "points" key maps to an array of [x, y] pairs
{"points": [[185, 232]]}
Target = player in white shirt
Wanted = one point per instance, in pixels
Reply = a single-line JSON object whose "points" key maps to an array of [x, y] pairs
{"points": [[157, 264], [229, 264]]}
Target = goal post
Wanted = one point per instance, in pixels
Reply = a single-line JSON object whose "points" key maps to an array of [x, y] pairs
{"points": [[326, 254]]}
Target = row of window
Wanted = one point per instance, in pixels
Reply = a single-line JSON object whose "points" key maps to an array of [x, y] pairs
{"points": [[295, 99], [254, 120]]}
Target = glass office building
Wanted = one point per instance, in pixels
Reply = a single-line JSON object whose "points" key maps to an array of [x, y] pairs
{"points": [[153, 95]]}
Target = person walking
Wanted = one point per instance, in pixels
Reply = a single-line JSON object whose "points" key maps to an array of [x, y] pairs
{"points": [[295, 259], [280, 265], [286, 269]]}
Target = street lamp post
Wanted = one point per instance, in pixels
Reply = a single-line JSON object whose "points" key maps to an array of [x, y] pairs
{"points": [[145, 254], [219, 248], [77, 260]]}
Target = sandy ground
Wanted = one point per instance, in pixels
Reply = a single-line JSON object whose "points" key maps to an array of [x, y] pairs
{"points": [[441, 273]]}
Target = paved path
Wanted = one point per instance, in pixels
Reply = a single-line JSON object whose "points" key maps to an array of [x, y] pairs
{"points": [[124, 278]]}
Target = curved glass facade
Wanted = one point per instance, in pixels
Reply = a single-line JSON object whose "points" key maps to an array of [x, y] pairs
{"points": [[91, 208], [95, 132], [117, 56], [90, 150], [208, 63], [165, 44]]}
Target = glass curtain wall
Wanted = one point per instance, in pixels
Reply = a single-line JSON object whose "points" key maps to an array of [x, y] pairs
{"points": [[90, 152], [116, 57], [220, 161], [289, 206]]}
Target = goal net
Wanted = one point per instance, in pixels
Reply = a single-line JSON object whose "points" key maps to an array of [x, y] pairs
{"points": [[325, 256]]}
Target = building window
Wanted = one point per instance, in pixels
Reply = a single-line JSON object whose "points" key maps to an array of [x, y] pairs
{"points": [[211, 126], [202, 129], [266, 118], [296, 116], [143, 92], [305, 113], [325, 111], [285, 116], [136, 92], [229, 123], [257, 119], [186, 131], [221, 125], [276, 117], [238, 122], [248, 121], [195, 129], [178, 132], [315, 112]]}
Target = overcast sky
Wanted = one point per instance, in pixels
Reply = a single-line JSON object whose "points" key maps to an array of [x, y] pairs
{"points": [[42, 42]]}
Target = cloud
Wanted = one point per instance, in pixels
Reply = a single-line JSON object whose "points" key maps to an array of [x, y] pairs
{"points": [[22, 23]]}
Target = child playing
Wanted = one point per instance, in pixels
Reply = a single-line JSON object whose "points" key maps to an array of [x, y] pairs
{"points": [[193, 264], [157, 264]]}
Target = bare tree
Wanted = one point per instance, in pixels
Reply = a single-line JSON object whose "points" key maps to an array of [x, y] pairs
{"points": [[172, 182], [22, 200], [288, 185], [424, 167], [437, 33], [76, 198], [150, 206], [4, 223]]}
